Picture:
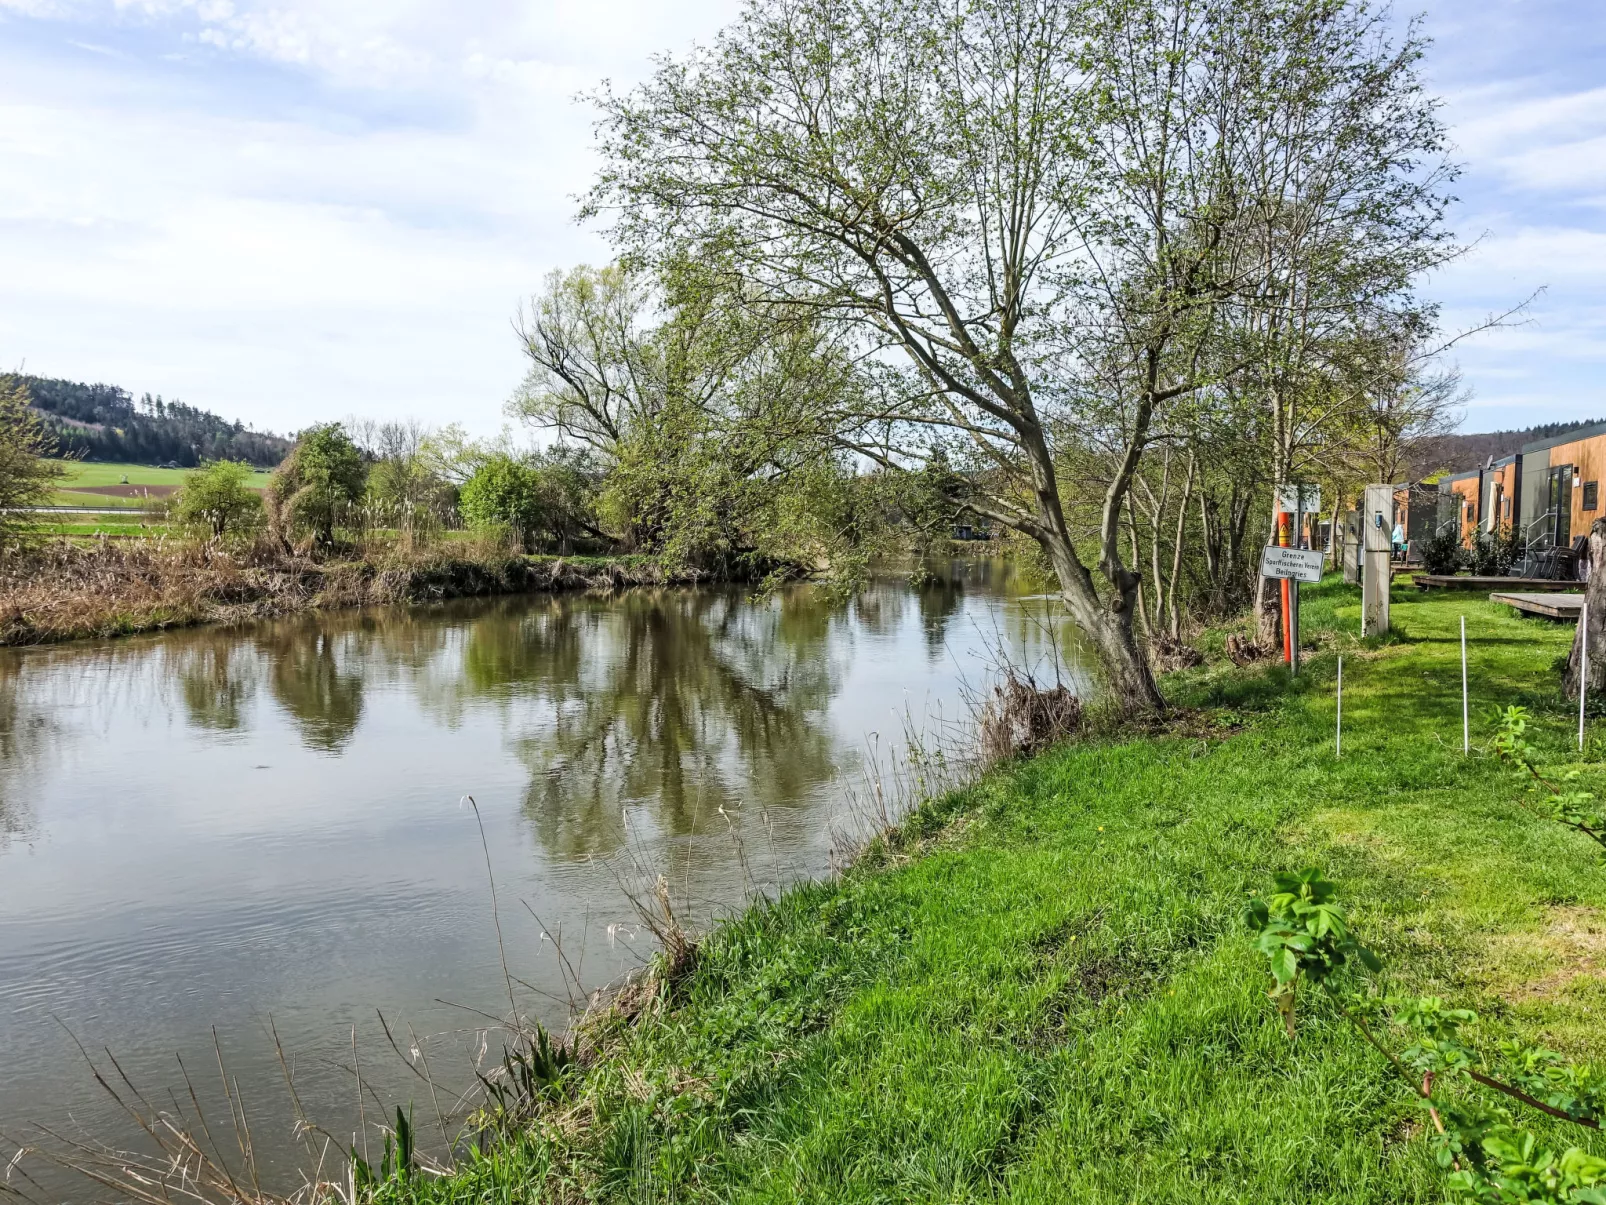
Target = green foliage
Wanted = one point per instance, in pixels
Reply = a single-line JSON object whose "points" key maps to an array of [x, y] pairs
{"points": [[1301, 929], [1494, 552], [320, 481], [396, 1164], [1493, 1158], [26, 478], [1558, 799], [546, 499], [534, 1072], [506, 492], [105, 423], [218, 498], [1442, 551]]}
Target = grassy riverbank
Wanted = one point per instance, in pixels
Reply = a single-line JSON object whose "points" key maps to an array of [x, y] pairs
{"points": [[1041, 990], [68, 590]]}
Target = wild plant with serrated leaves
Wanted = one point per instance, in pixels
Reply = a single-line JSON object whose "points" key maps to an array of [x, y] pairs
{"points": [[1490, 1157], [1559, 799], [1302, 931]]}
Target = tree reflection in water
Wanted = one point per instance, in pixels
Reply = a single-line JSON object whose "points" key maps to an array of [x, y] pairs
{"points": [[315, 671], [26, 738], [670, 703]]}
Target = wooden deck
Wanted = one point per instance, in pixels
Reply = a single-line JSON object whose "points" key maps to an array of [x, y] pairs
{"points": [[1552, 606], [1527, 585]]}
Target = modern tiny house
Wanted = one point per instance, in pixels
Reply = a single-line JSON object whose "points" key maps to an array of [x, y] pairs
{"points": [[1560, 485]]}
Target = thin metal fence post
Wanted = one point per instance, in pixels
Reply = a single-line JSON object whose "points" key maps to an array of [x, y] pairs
{"points": [[1338, 732], [1466, 727], [1583, 671]]}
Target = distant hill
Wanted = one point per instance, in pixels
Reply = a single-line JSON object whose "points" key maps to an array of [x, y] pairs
{"points": [[103, 422], [1460, 452]]}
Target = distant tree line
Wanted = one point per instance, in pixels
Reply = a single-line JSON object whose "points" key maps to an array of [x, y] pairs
{"points": [[104, 422]]}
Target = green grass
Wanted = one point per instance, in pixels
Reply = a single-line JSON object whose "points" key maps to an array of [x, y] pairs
{"points": [[93, 473], [108, 525], [1041, 990]]}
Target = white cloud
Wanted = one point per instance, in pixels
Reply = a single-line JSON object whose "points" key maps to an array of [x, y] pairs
{"points": [[324, 208]]}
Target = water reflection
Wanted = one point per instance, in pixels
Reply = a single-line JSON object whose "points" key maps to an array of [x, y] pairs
{"points": [[26, 736], [214, 826], [699, 702], [316, 675], [217, 680]]}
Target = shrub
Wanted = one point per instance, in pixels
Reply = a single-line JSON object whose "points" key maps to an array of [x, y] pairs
{"points": [[1442, 552], [1493, 553], [504, 491], [320, 480], [216, 497]]}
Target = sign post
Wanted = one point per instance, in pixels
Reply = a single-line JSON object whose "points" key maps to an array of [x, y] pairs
{"points": [[1294, 501], [1292, 566]]}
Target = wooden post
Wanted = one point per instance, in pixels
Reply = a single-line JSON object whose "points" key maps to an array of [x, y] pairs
{"points": [[1338, 730]]}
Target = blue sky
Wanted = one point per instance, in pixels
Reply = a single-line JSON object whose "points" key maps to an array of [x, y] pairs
{"points": [[286, 210]]}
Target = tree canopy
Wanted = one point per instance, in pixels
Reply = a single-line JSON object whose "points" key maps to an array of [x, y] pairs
{"points": [[1058, 236]]}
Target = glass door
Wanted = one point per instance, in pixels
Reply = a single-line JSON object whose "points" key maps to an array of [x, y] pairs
{"points": [[1561, 506]]}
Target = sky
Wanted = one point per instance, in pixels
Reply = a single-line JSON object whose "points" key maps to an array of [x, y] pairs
{"points": [[291, 210]]}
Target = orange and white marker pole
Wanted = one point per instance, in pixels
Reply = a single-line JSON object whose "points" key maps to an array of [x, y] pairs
{"points": [[1283, 519]]}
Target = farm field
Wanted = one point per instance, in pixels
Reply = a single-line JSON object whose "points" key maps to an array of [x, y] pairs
{"points": [[131, 486]]}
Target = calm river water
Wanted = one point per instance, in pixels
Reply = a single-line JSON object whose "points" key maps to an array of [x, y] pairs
{"points": [[223, 828]]}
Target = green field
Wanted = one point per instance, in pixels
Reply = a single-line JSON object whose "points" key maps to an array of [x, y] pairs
{"points": [[1041, 991], [80, 474]]}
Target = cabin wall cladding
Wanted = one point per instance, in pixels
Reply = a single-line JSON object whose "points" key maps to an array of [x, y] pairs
{"points": [[1465, 489]]}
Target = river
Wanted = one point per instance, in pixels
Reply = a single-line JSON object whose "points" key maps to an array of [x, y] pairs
{"points": [[266, 829]]}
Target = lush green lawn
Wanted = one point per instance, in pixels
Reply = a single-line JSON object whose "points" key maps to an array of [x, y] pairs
{"points": [[1043, 991]]}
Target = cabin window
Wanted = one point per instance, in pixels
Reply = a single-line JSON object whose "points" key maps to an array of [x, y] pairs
{"points": [[1591, 494]]}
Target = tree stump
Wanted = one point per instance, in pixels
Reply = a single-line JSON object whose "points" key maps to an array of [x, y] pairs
{"points": [[1595, 607]]}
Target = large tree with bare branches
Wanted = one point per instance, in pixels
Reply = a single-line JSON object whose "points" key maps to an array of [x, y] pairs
{"points": [[1036, 214]]}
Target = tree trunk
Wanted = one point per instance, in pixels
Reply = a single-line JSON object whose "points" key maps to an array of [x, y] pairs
{"points": [[1108, 624], [1595, 604], [1268, 608]]}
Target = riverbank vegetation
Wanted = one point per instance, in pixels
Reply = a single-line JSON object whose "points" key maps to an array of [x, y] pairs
{"points": [[1044, 988]]}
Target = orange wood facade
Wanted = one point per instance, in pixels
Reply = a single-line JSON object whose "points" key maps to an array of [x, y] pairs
{"points": [[1465, 490], [1588, 460]]}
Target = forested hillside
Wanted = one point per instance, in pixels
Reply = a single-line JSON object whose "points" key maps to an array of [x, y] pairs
{"points": [[104, 422], [1458, 452]]}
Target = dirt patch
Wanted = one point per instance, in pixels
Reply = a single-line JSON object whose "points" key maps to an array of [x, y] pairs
{"points": [[124, 491], [1543, 964]]}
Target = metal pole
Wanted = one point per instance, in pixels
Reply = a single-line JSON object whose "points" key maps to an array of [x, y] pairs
{"points": [[1338, 731], [1293, 585], [1583, 672], [1293, 626], [1466, 728], [1282, 541]]}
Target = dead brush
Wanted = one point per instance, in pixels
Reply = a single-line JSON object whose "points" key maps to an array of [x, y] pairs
{"points": [[187, 1156], [1021, 718], [656, 910]]}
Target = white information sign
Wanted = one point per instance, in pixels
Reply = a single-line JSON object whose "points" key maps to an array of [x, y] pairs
{"points": [[1300, 564], [1293, 498]]}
